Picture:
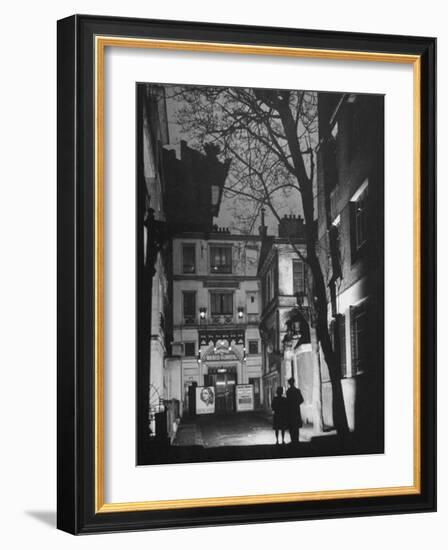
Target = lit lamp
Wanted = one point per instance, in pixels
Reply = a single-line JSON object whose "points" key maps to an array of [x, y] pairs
{"points": [[199, 358], [240, 312], [292, 329], [202, 313]]}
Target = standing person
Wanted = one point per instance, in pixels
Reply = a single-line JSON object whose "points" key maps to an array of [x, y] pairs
{"points": [[280, 408], [294, 399]]}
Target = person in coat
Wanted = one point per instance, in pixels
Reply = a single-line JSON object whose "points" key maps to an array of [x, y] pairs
{"points": [[294, 399], [280, 420]]}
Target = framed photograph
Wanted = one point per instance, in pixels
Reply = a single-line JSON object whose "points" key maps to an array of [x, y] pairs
{"points": [[246, 274]]}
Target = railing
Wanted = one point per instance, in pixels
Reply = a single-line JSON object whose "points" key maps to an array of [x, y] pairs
{"points": [[222, 319], [164, 419]]}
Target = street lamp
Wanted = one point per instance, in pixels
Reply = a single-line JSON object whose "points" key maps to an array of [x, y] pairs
{"points": [[240, 312], [202, 313], [293, 329], [300, 298]]}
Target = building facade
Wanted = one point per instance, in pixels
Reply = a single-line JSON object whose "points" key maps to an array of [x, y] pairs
{"points": [[216, 306], [152, 259], [350, 182], [286, 334]]}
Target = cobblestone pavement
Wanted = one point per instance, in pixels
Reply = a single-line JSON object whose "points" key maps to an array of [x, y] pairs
{"points": [[238, 429]]}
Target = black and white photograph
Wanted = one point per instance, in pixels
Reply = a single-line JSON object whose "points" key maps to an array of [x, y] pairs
{"points": [[260, 273]]}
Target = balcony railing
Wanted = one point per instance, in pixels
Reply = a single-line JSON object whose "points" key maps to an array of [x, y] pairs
{"points": [[222, 319]]}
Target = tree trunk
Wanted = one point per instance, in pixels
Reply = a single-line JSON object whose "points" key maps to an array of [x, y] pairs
{"points": [[318, 423], [320, 291], [323, 335]]}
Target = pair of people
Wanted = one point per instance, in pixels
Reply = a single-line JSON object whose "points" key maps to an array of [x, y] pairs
{"points": [[287, 412]]}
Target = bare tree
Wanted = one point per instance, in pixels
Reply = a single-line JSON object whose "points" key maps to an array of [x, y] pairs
{"points": [[270, 136]]}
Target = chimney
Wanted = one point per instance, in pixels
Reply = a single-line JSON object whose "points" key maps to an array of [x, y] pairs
{"points": [[291, 226], [262, 229]]}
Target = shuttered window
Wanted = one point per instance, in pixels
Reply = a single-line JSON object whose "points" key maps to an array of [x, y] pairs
{"points": [[189, 299], [221, 303], [358, 221], [221, 259], [190, 349], [298, 276], [359, 338], [342, 344], [188, 258]]}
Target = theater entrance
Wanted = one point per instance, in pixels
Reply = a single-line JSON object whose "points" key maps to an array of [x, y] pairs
{"points": [[224, 381]]}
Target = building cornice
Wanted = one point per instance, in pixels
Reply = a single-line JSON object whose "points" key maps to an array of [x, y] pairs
{"points": [[212, 236], [217, 280]]}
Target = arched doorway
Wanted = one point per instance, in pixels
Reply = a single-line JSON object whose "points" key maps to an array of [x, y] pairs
{"points": [[221, 371]]}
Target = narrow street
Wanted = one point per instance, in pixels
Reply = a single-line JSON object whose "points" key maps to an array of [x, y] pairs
{"points": [[244, 436], [238, 429]]}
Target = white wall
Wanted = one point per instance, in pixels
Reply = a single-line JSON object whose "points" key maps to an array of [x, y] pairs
{"points": [[28, 274]]}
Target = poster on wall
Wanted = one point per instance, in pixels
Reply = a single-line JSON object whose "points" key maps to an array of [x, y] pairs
{"points": [[205, 400], [245, 397]]}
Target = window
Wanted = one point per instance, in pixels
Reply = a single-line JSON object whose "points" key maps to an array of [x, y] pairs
{"points": [[189, 299], [335, 248], [221, 259], [361, 220], [358, 218], [221, 303], [188, 258], [269, 285], [298, 276], [342, 346], [268, 288], [190, 349], [253, 347], [359, 337], [354, 127], [330, 158], [252, 303]]}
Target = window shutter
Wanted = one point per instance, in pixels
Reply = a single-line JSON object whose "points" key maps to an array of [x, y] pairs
{"points": [[353, 340], [352, 206], [227, 303], [343, 356]]}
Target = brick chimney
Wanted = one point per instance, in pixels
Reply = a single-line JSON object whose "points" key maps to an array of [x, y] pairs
{"points": [[291, 226], [262, 229]]}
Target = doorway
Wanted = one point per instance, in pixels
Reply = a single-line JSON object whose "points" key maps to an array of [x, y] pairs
{"points": [[224, 382]]}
